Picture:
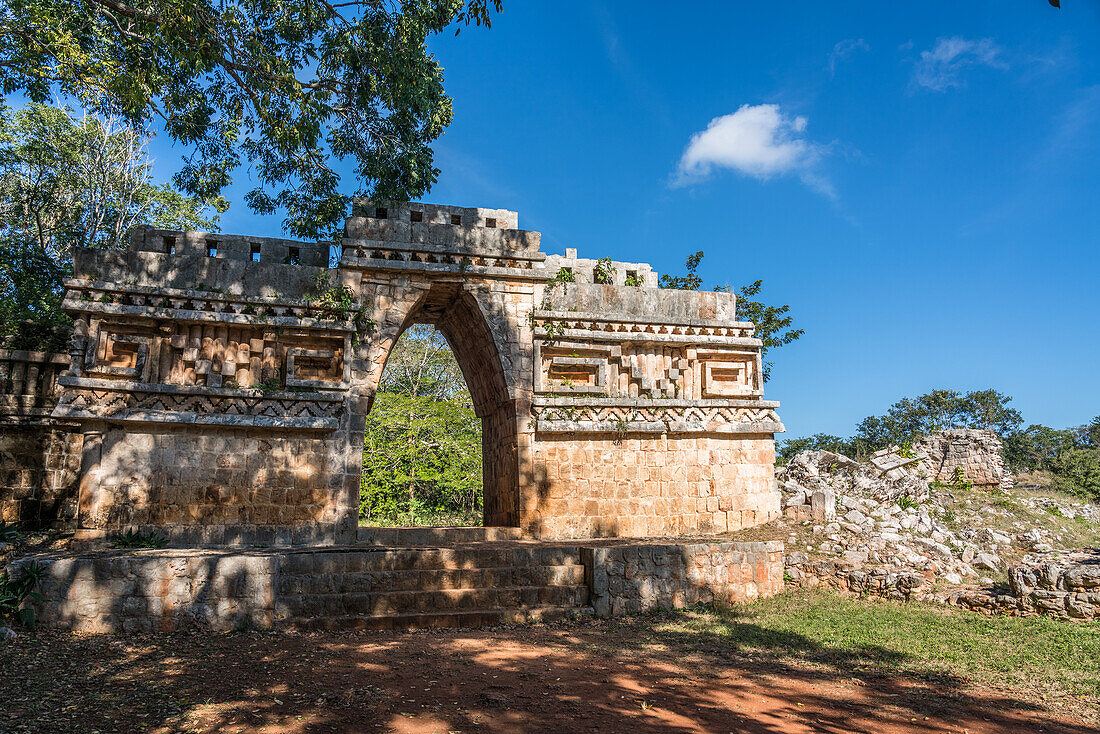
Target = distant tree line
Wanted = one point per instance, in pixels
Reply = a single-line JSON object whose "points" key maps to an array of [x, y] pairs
{"points": [[1070, 455]]}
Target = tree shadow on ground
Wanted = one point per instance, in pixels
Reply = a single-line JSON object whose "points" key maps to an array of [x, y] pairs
{"points": [[633, 675]]}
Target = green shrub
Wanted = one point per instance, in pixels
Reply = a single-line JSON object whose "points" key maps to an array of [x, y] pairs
{"points": [[906, 502], [604, 272], [137, 539], [14, 592], [1077, 471], [9, 532]]}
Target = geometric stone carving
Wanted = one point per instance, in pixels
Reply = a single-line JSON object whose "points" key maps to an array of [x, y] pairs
{"points": [[728, 374], [566, 370], [178, 405], [316, 368], [118, 354]]}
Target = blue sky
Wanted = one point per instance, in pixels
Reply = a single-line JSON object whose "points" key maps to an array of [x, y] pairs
{"points": [[920, 182]]}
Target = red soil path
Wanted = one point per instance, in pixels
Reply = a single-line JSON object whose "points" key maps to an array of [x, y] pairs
{"points": [[584, 677]]}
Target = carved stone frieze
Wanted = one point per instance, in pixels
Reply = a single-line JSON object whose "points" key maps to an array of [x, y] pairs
{"points": [[87, 399]]}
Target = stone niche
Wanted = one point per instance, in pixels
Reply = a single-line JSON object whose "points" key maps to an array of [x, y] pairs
{"points": [[219, 401]]}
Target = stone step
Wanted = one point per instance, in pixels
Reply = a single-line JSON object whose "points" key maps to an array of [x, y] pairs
{"points": [[440, 620], [433, 579], [381, 603], [398, 537], [424, 559]]}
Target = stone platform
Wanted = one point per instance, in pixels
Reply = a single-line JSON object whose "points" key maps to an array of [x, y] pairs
{"points": [[466, 584]]}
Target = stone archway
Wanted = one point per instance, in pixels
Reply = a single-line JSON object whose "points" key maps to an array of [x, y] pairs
{"points": [[455, 312], [221, 400]]}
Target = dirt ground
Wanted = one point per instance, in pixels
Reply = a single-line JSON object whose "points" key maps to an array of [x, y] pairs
{"points": [[589, 676]]}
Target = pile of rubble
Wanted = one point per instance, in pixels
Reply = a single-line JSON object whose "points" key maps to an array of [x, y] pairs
{"points": [[1059, 584], [885, 528], [880, 513]]}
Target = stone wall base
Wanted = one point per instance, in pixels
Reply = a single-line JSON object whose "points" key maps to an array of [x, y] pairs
{"points": [[39, 472], [632, 578], [169, 590], [1064, 593]]}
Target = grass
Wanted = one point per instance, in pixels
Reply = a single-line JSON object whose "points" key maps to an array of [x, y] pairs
{"points": [[424, 519], [1035, 658]]}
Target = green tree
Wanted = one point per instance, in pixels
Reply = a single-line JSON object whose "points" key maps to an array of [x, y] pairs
{"points": [[1088, 435], [284, 85], [421, 460], [1077, 471], [421, 364], [786, 450], [1037, 447], [65, 182], [773, 323], [422, 444], [690, 281]]}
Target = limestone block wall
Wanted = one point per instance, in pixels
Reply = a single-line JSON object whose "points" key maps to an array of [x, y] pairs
{"points": [[979, 454], [649, 418], [583, 270], [215, 245], [626, 579], [39, 458], [650, 486], [211, 486], [39, 473]]}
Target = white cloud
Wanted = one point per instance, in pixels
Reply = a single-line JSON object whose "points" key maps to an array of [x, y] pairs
{"points": [[844, 49], [757, 140], [941, 67]]}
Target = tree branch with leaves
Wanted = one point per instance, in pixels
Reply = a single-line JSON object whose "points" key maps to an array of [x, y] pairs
{"points": [[286, 86], [773, 323]]}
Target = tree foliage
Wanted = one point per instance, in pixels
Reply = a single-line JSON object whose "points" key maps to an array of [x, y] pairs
{"points": [[285, 85], [1036, 447], [1070, 455], [422, 364], [421, 461], [422, 446], [773, 323], [1077, 471], [910, 418], [786, 450], [70, 181]]}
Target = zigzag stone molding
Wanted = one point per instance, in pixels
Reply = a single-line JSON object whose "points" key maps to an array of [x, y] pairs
{"points": [[663, 416], [141, 403]]}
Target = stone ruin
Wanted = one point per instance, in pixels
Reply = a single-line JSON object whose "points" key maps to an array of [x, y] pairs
{"points": [[975, 455], [214, 396], [884, 528]]}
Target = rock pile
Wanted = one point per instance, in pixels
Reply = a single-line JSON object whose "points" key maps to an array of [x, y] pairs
{"points": [[880, 513], [886, 528], [1057, 584]]}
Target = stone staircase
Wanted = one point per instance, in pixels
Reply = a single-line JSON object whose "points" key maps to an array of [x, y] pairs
{"points": [[411, 536], [403, 588]]}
